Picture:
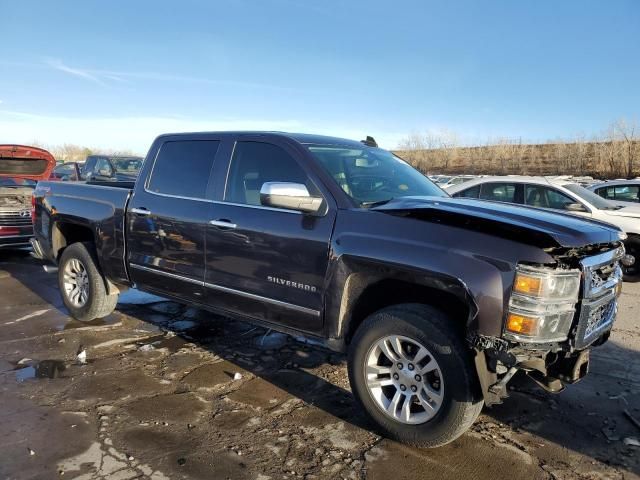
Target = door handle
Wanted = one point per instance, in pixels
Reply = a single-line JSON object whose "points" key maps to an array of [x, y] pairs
{"points": [[141, 211], [223, 224]]}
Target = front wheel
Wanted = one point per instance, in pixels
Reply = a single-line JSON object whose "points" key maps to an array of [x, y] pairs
{"points": [[414, 376], [82, 286]]}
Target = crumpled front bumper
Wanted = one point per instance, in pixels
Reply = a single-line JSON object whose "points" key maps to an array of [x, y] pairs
{"points": [[553, 365]]}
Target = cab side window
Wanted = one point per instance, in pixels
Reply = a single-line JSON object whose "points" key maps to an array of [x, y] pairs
{"points": [[605, 192], [545, 197], [499, 192], [626, 193], [255, 163], [472, 192]]}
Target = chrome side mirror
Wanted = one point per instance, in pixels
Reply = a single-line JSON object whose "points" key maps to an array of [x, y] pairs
{"points": [[292, 196], [575, 207]]}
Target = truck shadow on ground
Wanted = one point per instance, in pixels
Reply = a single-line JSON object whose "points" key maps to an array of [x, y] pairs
{"points": [[587, 418]]}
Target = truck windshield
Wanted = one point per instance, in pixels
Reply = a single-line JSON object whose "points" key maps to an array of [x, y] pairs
{"points": [[372, 175]]}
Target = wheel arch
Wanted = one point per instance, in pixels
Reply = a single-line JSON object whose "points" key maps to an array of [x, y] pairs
{"points": [[65, 233], [366, 288]]}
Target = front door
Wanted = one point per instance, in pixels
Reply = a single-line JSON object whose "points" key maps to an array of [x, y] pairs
{"points": [[167, 220], [264, 262]]}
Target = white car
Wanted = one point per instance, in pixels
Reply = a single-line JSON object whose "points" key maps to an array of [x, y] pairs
{"points": [[560, 194], [449, 182]]}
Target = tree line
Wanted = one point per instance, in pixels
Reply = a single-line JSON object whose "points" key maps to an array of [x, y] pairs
{"points": [[613, 154], [68, 152]]}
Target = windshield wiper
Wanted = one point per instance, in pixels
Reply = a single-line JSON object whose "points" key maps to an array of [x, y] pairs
{"points": [[375, 204]]}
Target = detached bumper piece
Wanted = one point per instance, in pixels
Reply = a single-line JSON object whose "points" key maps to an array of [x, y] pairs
{"points": [[568, 370]]}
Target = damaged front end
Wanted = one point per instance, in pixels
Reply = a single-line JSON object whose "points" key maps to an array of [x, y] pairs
{"points": [[554, 314]]}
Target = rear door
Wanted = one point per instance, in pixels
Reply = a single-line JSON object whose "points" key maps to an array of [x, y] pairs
{"points": [[168, 216], [264, 262]]}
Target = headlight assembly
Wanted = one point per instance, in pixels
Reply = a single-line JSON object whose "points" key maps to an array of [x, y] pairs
{"points": [[542, 304]]}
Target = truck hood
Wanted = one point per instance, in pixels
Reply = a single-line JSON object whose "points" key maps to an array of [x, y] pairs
{"points": [[518, 223], [25, 162]]}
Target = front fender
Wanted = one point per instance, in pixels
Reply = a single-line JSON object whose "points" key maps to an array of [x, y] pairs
{"points": [[475, 267]]}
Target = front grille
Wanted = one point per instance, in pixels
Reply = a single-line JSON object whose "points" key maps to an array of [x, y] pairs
{"points": [[602, 275], [15, 219]]}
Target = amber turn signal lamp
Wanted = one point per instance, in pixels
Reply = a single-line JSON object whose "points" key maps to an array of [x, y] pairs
{"points": [[527, 284], [522, 325]]}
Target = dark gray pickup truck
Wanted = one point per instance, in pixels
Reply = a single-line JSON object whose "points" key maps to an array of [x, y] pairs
{"points": [[438, 301]]}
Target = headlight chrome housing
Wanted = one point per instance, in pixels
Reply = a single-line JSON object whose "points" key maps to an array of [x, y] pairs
{"points": [[542, 304]]}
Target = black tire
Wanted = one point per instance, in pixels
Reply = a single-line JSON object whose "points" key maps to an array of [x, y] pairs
{"points": [[98, 304], [462, 400], [632, 247]]}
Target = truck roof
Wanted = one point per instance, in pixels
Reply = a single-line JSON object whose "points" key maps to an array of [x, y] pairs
{"points": [[303, 138]]}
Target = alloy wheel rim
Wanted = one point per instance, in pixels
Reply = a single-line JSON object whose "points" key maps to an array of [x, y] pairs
{"points": [[76, 282], [633, 268], [404, 379]]}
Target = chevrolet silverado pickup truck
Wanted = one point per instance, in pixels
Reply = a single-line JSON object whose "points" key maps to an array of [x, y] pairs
{"points": [[438, 301], [20, 169]]}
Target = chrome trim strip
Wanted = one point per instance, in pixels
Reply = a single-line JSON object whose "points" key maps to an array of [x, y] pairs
{"points": [[171, 275], [13, 245], [603, 258], [177, 196], [259, 207], [253, 296], [140, 211], [291, 306], [28, 236]]}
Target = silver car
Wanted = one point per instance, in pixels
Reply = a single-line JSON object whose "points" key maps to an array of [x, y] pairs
{"points": [[625, 192]]}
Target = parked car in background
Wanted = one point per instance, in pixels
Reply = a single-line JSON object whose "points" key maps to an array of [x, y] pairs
{"points": [[618, 191], [109, 168], [20, 169], [439, 301], [457, 180], [68, 172], [441, 179], [563, 195]]}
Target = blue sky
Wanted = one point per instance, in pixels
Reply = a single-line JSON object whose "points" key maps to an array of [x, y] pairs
{"points": [[115, 74]]}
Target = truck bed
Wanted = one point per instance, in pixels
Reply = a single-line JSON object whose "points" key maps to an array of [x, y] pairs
{"points": [[98, 209]]}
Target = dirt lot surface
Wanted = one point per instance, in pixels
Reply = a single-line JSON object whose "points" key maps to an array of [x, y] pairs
{"points": [[174, 392]]}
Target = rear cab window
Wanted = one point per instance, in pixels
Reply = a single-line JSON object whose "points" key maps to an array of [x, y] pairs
{"points": [[182, 168]]}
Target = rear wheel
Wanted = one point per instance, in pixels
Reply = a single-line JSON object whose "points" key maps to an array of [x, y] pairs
{"points": [[82, 285], [414, 376]]}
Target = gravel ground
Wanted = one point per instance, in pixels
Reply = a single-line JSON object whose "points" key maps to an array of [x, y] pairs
{"points": [[170, 392]]}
